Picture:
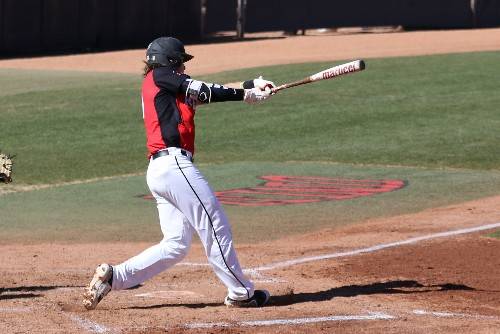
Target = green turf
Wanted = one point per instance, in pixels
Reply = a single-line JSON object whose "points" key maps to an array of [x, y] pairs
{"points": [[495, 235], [15, 81], [68, 126], [434, 111], [423, 111], [112, 210], [435, 119]]}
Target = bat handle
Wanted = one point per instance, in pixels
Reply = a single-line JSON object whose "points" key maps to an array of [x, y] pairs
{"points": [[277, 89], [291, 84]]}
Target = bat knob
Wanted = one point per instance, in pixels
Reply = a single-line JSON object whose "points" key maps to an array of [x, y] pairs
{"points": [[275, 90]]}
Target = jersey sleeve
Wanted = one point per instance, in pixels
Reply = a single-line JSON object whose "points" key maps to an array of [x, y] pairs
{"points": [[168, 79], [203, 92]]}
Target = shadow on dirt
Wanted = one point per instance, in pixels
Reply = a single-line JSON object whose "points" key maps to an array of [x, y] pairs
{"points": [[194, 306], [21, 292], [392, 287]]}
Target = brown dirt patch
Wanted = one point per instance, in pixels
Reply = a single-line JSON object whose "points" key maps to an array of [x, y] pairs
{"points": [[441, 285]]}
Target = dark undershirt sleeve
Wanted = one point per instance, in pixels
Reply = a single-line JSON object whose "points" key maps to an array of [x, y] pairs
{"points": [[210, 93], [248, 84], [221, 94], [169, 80]]}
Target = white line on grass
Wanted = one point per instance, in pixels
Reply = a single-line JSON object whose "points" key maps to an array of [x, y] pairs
{"points": [[376, 247], [296, 321], [27, 188]]}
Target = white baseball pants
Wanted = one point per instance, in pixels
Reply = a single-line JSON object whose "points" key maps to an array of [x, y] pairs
{"points": [[186, 203]]}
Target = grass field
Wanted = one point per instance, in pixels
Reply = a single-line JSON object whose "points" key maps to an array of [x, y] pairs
{"points": [[436, 111], [113, 210], [434, 119], [495, 235]]}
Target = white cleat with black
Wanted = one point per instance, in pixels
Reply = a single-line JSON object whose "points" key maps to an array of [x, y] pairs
{"points": [[259, 299], [98, 287]]}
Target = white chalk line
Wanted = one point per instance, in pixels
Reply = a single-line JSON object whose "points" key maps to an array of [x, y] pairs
{"points": [[88, 325], [453, 315], [335, 318], [81, 322], [193, 264], [69, 288], [15, 309], [296, 321], [169, 294], [259, 277], [98, 328], [85, 324], [371, 249]]}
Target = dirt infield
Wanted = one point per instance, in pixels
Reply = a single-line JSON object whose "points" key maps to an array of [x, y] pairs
{"points": [[434, 271], [273, 50]]}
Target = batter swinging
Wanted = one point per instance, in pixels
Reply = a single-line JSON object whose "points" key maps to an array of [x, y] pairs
{"points": [[185, 201]]}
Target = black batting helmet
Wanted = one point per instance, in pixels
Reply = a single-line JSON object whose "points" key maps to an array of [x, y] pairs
{"points": [[167, 51]]}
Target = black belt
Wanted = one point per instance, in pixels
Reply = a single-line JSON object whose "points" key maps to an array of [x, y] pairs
{"points": [[166, 152]]}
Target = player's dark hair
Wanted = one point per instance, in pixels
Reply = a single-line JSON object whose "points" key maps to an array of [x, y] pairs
{"points": [[149, 67]]}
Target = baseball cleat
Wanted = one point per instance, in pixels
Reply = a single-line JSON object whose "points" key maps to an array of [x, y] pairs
{"points": [[98, 287], [259, 299]]}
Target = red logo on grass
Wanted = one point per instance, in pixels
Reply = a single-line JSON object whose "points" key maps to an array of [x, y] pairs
{"points": [[283, 190]]}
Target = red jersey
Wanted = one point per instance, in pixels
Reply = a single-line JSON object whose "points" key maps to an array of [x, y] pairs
{"points": [[168, 114]]}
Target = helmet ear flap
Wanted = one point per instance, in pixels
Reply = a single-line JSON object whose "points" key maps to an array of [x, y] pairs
{"points": [[157, 58], [175, 62]]}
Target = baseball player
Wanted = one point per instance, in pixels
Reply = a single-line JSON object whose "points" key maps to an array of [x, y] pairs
{"points": [[185, 201]]}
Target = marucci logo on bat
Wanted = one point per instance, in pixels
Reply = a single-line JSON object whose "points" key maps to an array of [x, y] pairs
{"points": [[339, 71], [287, 190]]}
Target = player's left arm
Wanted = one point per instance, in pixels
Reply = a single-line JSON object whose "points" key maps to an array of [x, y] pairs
{"points": [[259, 82], [204, 92]]}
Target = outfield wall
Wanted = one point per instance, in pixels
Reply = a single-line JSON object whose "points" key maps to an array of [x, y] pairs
{"points": [[266, 15], [55, 26], [46, 26]]}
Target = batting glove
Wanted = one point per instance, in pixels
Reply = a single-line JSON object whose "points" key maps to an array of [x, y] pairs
{"points": [[263, 84], [256, 95]]}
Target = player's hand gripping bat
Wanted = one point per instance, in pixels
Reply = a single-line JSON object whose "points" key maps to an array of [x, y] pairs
{"points": [[332, 72]]}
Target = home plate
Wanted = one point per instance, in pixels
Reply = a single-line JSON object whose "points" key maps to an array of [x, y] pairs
{"points": [[169, 294]]}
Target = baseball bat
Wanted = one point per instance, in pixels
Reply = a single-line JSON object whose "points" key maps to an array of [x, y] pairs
{"points": [[332, 72]]}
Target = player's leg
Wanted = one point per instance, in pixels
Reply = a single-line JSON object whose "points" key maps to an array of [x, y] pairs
{"points": [[191, 193], [173, 248]]}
